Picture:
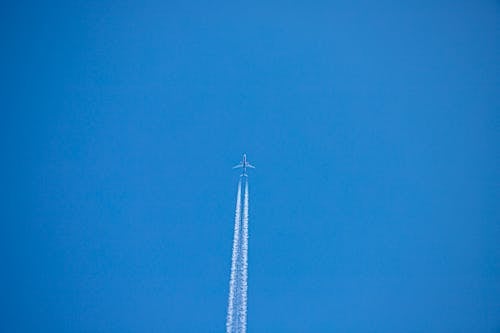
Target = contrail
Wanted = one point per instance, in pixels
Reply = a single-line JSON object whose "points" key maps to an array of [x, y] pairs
{"points": [[244, 259], [237, 302], [234, 261]]}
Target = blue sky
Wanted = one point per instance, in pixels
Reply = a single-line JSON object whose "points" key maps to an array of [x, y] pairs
{"points": [[374, 127]]}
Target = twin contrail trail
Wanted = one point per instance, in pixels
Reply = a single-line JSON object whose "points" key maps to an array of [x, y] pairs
{"points": [[237, 302]]}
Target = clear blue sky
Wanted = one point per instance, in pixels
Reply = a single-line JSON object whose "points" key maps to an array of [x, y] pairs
{"points": [[374, 126]]}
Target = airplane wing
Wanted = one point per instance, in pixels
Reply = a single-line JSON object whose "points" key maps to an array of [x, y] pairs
{"points": [[250, 166], [238, 166]]}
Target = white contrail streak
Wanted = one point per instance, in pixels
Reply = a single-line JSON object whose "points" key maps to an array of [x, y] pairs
{"points": [[237, 303], [233, 288], [244, 259]]}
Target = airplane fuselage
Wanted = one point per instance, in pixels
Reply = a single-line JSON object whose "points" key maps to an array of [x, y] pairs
{"points": [[244, 164]]}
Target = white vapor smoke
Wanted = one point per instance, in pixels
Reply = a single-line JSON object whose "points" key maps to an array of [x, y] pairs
{"points": [[244, 259], [237, 303], [234, 261]]}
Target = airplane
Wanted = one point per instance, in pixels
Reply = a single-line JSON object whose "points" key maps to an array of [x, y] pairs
{"points": [[244, 164]]}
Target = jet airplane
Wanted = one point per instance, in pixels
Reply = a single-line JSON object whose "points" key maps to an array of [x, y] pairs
{"points": [[244, 164]]}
